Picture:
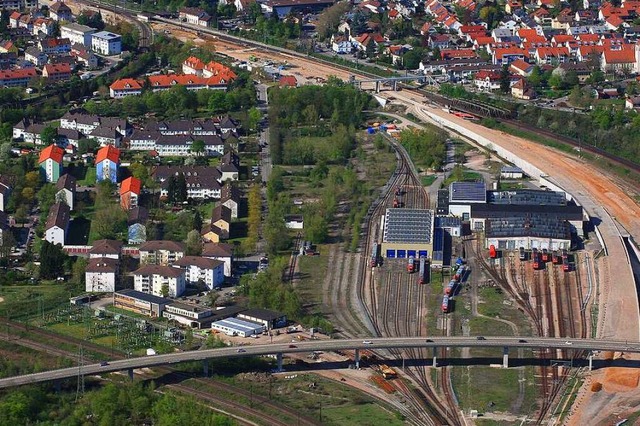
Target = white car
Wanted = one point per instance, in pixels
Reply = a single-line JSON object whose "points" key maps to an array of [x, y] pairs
{"points": [[367, 342], [568, 343]]}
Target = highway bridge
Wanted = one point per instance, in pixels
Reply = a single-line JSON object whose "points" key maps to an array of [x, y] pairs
{"points": [[327, 345]]}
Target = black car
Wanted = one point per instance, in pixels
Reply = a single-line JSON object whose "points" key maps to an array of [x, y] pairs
{"points": [[104, 364], [480, 338]]}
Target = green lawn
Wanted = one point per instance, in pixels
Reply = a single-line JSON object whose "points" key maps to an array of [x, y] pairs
{"points": [[23, 301], [360, 415], [428, 180], [89, 178], [312, 269]]}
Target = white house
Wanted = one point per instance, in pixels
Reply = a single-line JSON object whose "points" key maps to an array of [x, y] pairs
{"points": [[202, 269], [57, 223], [5, 191], [106, 43], [294, 221], [77, 34], [158, 279], [66, 189], [109, 249], [219, 251], [100, 275], [161, 252]]}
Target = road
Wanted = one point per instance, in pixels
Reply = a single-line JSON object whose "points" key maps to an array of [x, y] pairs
{"points": [[325, 345]]}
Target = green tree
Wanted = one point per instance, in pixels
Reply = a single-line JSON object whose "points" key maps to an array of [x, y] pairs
{"points": [[505, 79], [164, 291], [198, 147], [49, 135], [52, 259], [194, 243], [78, 272], [254, 116]]}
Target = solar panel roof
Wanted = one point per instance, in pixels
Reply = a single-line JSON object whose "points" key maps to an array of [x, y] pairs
{"points": [[474, 192], [528, 197], [408, 226]]}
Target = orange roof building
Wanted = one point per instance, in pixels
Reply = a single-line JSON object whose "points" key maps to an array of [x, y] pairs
{"points": [[107, 162], [51, 163], [125, 87], [129, 192]]}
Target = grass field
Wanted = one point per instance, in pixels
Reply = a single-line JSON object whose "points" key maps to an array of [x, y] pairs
{"points": [[428, 180], [359, 415], [23, 301]]}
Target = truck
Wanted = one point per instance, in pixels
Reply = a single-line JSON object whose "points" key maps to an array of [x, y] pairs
{"points": [[387, 372], [492, 252], [411, 264]]}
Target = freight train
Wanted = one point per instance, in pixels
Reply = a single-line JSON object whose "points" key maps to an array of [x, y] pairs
{"points": [[523, 254], [450, 288], [422, 279], [445, 304], [537, 260], [556, 258], [545, 255], [411, 265], [375, 255], [566, 265]]}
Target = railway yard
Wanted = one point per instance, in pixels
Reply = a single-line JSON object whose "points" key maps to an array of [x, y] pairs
{"points": [[553, 302], [550, 293]]}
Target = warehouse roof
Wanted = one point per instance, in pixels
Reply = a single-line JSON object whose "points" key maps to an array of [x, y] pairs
{"points": [[528, 197], [408, 226], [472, 192], [511, 169], [238, 324], [568, 212], [144, 296], [526, 225]]}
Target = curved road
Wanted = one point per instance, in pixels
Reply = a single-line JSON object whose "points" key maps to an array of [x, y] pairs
{"points": [[326, 345]]}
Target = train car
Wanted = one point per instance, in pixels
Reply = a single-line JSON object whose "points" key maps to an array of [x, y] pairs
{"points": [[396, 202], [445, 304], [448, 290], [545, 255], [459, 273], [492, 252], [375, 255], [556, 258], [565, 254], [537, 261], [566, 266], [534, 254], [398, 190], [422, 279], [523, 254], [411, 265]]}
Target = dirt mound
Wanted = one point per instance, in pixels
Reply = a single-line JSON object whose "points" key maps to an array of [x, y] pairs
{"points": [[608, 355], [619, 379]]}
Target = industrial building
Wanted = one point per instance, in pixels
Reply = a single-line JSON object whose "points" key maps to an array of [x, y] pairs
{"points": [[238, 327], [140, 303], [407, 232], [270, 319], [512, 219], [189, 315]]}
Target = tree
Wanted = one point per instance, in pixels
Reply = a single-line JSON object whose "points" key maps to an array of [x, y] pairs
{"points": [[46, 197], [330, 18], [78, 271], [194, 243], [52, 259], [197, 221], [49, 135], [198, 147], [181, 189], [370, 48], [110, 221], [254, 116], [213, 297], [555, 81], [411, 59], [505, 79], [86, 146], [315, 227], [164, 290]]}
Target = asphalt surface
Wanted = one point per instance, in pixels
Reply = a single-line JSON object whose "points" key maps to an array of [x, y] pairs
{"points": [[325, 345]]}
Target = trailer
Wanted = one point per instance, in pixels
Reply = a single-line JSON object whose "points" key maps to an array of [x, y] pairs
{"points": [[422, 279], [492, 252], [445, 304], [411, 264]]}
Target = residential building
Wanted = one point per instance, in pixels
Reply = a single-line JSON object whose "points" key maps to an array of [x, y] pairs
{"points": [[193, 65], [341, 45], [19, 4], [66, 189], [6, 186], [159, 280], [106, 43], [77, 34], [221, 219], [35, 56], [203, 182], [68, 137], [284, 8], [130, 192], [136, 223], [140, 303], [125, 87], [219, 251], [100, 275], [521, 90], [294, 221], [86, 123], [107, 163], [29, 131], [4, 226], [106, 248], [632, 102], [209, 272], [59, 11], [17, 77], [161, 252], [57, 223], [229, 166], [618, 61], [85, 57], [230, 197], [56, 72], [50, 162], [55, 46], [195, 16]]}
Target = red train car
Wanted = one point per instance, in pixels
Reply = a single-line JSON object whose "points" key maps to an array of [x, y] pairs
{"points": [[445, 304], [492, 252], [422, 279], [545, 255], [556, 258], [537, 261], [411, 265]]}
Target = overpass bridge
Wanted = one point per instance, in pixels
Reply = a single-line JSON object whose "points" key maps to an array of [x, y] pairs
{"points": [[393, 81], [328, 345]]}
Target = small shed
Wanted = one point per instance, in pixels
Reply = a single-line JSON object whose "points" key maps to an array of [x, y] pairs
{"points": [[294, 221], [511, 172]]}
